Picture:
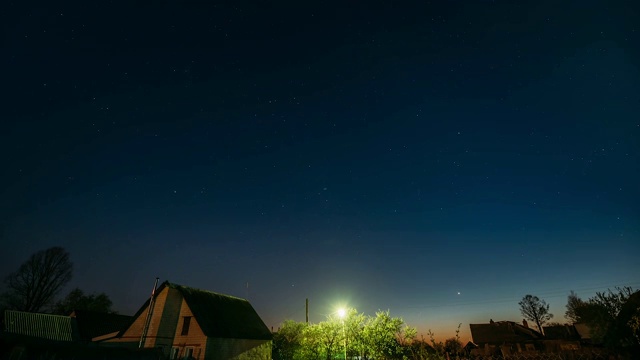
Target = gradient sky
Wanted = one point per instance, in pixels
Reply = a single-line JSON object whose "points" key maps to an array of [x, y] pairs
{"points": [[438, 160]]}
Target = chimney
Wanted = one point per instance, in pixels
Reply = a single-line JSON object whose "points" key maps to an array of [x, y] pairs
{"points": [[524, 323]]}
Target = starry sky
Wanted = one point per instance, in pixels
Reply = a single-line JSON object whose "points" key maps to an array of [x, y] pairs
{"points": [[437, 159]]}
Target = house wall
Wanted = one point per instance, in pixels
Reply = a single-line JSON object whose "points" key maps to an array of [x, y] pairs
{"points": [[560, 345], [165, 319], [195, 338], [160, 331], [165, 332], [165, 327], [131, 336], [238, 349]]}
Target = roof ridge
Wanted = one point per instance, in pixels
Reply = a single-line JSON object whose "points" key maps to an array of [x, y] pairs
{"points": [[177, 286]]}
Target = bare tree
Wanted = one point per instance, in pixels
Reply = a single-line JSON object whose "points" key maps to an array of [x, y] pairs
{"points": [[536, 310], [38, 280]]}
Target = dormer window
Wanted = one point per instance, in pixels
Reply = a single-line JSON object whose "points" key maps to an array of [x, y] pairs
{"points": [[185, 325]]}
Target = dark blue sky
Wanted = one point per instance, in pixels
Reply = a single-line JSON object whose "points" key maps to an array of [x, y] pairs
{"points": [[380, 156]]}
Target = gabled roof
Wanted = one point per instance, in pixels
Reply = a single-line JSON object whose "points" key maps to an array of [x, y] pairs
{"points": [[224, 316], [501, 332], [44, 326], [92, 324], [584, 331], [219, 316], [470, 345], [561, 332]]}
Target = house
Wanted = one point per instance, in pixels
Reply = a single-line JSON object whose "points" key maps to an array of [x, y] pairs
{"points": [[561, 332], [16, 346], [96, 325], [37, 336], [188, 323], [504, 337], [561, 338], [584, 331], [470, 346], [80, 326]]}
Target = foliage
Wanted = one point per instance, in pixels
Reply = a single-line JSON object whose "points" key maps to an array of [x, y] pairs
{"points": [[625, 332], [365, 337], [555, 323], [440, 350], [438, 346], [288, 340], [420, 350], [612, 302], [311, 343], [382, 333], [77, 300], [536, 310], [407, 336], [355, 323], [331, 336], [634, 324], [613, 318], [35, 284], [453, 345], [381, 337], [573, 304]]}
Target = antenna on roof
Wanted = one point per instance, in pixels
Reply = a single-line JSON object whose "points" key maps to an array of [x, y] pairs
{"points": [[147, 322]]}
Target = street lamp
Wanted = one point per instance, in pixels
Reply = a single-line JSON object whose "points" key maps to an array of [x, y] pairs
{"points": [[342, 313]]}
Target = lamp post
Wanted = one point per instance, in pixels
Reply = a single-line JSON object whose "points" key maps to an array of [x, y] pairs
{"points": [[342, 313]]}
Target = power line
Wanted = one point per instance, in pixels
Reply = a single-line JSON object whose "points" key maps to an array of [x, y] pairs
{"points": [[548, 294]]}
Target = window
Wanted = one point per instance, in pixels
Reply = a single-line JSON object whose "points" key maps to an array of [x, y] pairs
{"points": [[185, 325], [175, 352], [188, 353]]}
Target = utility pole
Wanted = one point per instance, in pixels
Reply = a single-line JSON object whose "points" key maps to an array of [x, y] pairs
{"points": [[306, 311]]}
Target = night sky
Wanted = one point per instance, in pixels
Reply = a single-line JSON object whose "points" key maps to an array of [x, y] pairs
{"points": [[439, 160]]}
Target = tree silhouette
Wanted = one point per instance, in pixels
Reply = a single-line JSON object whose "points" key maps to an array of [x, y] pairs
{"points": [[536, 310], [613, 318], [38, 280], [574, 303], [77, 300]]}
